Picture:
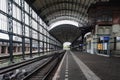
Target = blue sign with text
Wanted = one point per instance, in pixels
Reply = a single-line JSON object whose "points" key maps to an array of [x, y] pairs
{"points": [[106, 38]]}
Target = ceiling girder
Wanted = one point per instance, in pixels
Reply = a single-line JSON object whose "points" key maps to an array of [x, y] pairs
{"points": [[47, 6], [60, 10]]}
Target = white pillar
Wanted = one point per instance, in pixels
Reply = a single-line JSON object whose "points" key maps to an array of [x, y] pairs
{"points": [[6, 49], [16, 49]]}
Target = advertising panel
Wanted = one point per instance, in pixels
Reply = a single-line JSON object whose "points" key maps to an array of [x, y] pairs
{"points": [[100, 46]]}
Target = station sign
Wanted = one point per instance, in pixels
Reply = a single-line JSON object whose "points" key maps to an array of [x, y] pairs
{"points": [[106, 38]]}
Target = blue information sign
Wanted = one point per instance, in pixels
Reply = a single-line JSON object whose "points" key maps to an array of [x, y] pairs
{"points": [[106, 38]]}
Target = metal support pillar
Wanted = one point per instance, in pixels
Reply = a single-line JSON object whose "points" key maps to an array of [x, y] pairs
{"points": [[23, 28], [38, 27], [10, 27], [30, 47], [23, 47], [114, 43], [30, 31]]}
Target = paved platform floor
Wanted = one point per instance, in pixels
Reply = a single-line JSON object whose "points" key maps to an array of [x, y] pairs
{"points": [[84, 66], [70, 70]]}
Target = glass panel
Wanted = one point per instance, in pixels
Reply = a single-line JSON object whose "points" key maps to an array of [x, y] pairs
{"points": [[16, 12], [34, 24], [26, 31], [3, 5], [34, 34], [18, 2], [26, 7], [26, 19], [3, 22], [17, 28]]}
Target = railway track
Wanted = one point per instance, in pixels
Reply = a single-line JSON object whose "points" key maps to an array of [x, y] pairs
{"points": [[12, 71], [44, 71], [21, 64]]}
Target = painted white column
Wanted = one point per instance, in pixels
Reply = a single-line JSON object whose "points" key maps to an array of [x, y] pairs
{"points": [[6, 49]]}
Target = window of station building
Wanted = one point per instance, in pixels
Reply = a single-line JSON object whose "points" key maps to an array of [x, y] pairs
{"points": [[40, 28], [18, 2], [48, 40], [3, 22], [41, 45], [34, 34], [104, 18], [104, 30], [26, 19], [3, 5], [47, 34], [107, 31], [45, 38], [4, 36], [26, 31], [41, 37], [44, 32], [17, 28], [34, 15], [27, 41], [52, 42], [34, 45], [100, 31], [34, 24], [16, 12], [16, 38], [40, 20], [26, 7]]}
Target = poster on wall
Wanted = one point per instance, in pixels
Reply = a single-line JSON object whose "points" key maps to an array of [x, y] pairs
{"points": [[100, 46]]}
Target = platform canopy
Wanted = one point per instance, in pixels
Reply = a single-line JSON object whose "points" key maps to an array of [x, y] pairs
{"points": [[52, 11]]}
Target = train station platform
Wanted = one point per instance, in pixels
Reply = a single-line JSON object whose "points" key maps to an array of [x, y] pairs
{"points": [[84, 66]]}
